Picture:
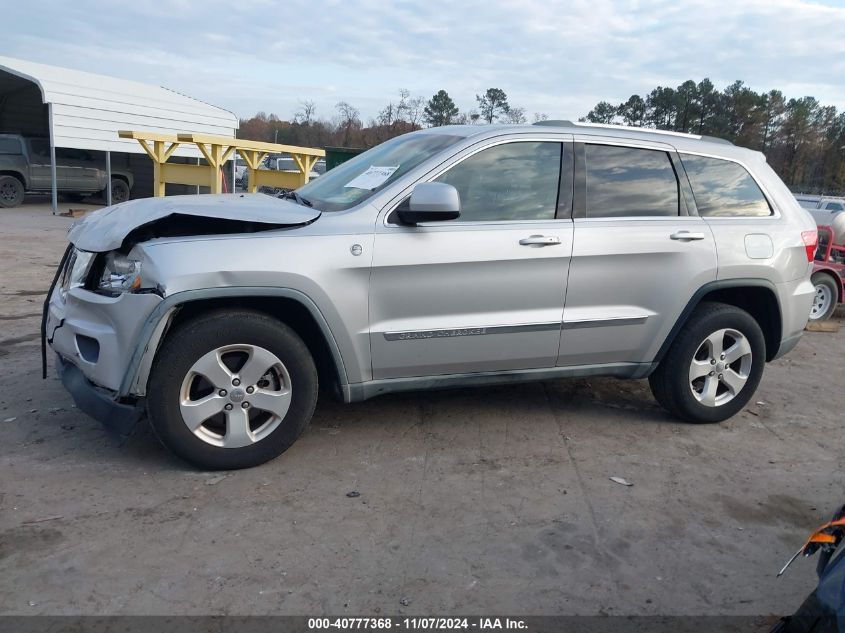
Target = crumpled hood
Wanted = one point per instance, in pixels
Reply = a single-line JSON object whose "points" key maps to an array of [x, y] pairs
{"points": [[105, 230]]}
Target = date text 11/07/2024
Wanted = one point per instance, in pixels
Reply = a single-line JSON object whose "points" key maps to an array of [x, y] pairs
{"points": [[418, 623]]}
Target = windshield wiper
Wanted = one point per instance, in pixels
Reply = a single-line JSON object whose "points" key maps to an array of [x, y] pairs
{"points": [[292, 195]]}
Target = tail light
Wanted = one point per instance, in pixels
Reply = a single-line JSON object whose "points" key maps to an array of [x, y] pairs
{"points": [[811, 241]]}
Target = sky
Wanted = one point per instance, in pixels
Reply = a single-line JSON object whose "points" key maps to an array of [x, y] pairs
{"points": [[557, 58]]}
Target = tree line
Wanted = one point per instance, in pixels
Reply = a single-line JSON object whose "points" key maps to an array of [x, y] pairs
{"points": [[405, 113], [802, 140]]}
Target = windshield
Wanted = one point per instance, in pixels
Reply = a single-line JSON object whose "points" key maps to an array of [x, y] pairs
{"points": [[359, 178]]}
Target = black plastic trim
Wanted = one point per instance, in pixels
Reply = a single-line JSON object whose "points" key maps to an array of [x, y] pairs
{"points": [[46, 309], [187, 296], [579, 185], [567, 178], [685, 184], [696, 299], [115, 416]]}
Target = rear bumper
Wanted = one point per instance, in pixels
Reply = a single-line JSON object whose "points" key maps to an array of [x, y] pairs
{"points": [[786, 346], [115, 416], [795, 300]]}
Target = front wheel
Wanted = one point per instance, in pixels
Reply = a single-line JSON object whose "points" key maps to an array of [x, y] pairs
{"points": [[824, 301], [714, 365], [11, 191], [232, 389]]}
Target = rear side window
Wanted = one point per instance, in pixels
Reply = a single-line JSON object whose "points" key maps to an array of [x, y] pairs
{"points": [[630, 182], [834, 206], [723, 188], [10, 146], [40, 149]]}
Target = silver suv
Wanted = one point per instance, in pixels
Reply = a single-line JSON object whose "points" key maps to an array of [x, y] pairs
{"points": [[449, 257]]}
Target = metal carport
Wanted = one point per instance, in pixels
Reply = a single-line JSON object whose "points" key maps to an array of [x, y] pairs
{"points": [[82, 110]]}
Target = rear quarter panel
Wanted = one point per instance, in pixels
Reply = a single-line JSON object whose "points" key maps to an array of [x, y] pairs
{"points": [[769, 248]]}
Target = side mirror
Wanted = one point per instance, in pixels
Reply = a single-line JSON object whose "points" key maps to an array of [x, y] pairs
{"points": [[431, 202]]}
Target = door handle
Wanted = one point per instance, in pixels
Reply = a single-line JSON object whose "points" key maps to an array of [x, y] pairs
{"points": [[686, 236], [539, 240]]}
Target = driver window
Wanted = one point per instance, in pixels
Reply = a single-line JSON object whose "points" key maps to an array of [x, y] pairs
{"points": [[511, 181]]}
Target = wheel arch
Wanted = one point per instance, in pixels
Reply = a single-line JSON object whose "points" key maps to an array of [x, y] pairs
{"points": [[14, 174], [127, 178], [290, 306], [758, 297]]}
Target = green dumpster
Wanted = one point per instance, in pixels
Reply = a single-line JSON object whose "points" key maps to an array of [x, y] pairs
{"points": [[337, 155]]}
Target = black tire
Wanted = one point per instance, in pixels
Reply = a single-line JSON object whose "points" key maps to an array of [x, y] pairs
{"points": [[11, 192], [828, 282], [189, 342], [119, 191], [670, 382]]}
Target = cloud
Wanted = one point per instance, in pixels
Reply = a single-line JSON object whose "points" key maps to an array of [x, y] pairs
{"points": [[549, 56]]}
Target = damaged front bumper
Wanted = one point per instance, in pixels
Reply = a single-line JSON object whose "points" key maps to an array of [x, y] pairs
{"points": [[117, 417], [94, 338]]}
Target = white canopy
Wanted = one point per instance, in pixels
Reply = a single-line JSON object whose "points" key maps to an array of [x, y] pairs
{"points": [[87, 110]]}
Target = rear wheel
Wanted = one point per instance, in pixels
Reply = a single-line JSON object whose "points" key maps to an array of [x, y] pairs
{"points": [[714, 365], [11, 191], [232, 389], [119, 191], [825, 299]]}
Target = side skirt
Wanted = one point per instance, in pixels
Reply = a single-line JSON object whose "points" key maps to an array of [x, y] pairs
{"points": [[357, 392]]}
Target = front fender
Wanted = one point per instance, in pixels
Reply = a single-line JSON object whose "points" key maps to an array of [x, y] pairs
{"points": [[137, 373]]}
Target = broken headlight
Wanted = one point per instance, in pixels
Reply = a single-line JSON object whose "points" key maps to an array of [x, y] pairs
{"points": [[120, 274], [76, 270]]}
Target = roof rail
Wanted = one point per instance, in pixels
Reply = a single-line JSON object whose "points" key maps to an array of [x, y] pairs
{"points": [[555, 122], [716, 139], [629, 128]]}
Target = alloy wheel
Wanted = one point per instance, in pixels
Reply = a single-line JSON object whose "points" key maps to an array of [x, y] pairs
{"points": [[8, 191], [235, 395], [720, 367]]}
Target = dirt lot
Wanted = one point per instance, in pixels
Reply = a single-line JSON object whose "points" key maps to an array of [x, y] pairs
{"points": [[473, 501]]}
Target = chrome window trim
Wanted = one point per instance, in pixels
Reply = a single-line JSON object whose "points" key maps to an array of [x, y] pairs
{"points": [[645, 218], [504, 223], [472, 150]]}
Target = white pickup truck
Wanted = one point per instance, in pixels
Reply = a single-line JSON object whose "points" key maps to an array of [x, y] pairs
{"points": [[822, 208]]}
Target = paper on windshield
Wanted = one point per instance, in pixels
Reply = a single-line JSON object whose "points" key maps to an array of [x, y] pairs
{"points": [[374, 177]]}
